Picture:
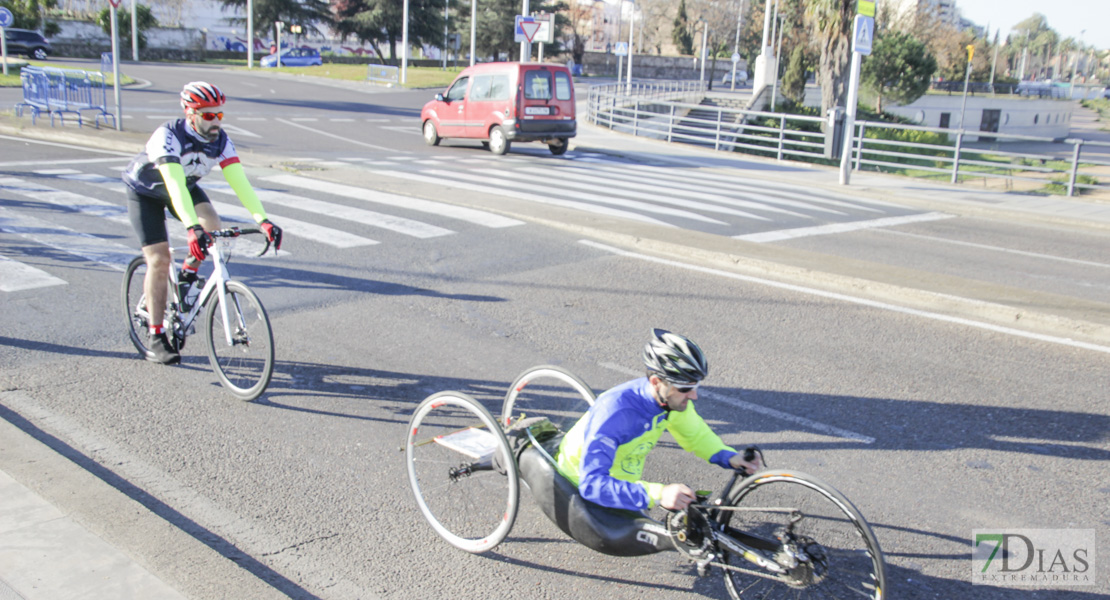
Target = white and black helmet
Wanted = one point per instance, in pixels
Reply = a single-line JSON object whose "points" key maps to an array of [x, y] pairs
{"points": [[675, 359]]}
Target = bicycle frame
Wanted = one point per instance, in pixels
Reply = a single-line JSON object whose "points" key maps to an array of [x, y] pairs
{"points": [[216, 284]]}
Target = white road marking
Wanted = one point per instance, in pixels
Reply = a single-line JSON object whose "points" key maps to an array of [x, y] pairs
{"points": [[789, 234], [239, 131], [59, 145], [513, 181], [478, 217], [357, 215], [35, 163], [304, 119], [69, 241], [538, 198], [333, 136], [660, 187], [1074, 261], [759, 408], [854, 300], [66, 200], [16, 276]]}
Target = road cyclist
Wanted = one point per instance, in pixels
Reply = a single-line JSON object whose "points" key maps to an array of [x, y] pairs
{"points": [[165, 175]]}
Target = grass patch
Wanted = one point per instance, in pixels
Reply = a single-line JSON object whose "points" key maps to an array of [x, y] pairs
{"points": [[416, 77], [1059, 185], [12, 78]]}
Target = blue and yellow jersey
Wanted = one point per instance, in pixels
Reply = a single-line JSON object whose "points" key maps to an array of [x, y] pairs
{"points": [[604, 453]]}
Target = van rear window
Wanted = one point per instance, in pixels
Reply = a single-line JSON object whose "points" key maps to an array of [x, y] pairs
{"points": [[562, 86], [537, 85]]}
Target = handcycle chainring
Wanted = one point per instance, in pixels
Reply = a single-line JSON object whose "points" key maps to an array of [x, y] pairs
{"points": [[689, 531]]}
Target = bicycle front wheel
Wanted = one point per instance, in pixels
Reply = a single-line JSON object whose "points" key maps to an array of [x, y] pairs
{"points": [[135, 308], [828, 552], [245, 365], [548, 391], [462, 472]]}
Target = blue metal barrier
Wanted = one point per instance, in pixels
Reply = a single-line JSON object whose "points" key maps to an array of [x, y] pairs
{"points": [[62, 91]]}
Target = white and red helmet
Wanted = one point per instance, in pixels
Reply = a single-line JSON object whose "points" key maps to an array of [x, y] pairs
{"points": [[199, 94]]}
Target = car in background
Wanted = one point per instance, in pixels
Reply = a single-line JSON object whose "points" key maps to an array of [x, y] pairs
{"points": [[25, 41], [741, 77], [505, 102], [294, 57]]}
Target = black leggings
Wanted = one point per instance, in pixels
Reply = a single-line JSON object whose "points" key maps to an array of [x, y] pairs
{"points": [[148, 214]]}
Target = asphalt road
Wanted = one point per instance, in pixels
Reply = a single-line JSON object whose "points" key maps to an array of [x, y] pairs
{"points": [[930, 427]]}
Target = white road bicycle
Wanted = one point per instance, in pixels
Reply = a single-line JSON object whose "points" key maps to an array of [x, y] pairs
{"points": [[240, 340]]}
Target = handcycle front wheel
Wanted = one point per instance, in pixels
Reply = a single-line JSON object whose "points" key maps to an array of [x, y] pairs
{"points": [[837, 553], [548, 391], [134, 305], [246, 365], [462, 472]]}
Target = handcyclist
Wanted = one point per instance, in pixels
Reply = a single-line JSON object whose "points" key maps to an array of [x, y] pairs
{"points": [[604, 453], [164, 175]]}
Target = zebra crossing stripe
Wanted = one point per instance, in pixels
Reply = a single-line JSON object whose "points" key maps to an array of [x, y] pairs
{"points": [[69, 241], [787, 234], [66, 200], [664, 187], [16, 276], [539, 199], [400, 225], [507, 180], [776, 193], [692, 204], [461, 213]]}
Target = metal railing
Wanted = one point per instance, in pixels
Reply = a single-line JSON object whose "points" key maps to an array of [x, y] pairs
{"points": [[669, 111], [383, 74], [1029, 162], [63, 91]]}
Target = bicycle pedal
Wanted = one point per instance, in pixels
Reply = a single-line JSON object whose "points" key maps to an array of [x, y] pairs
{"points": [[703, 565]]}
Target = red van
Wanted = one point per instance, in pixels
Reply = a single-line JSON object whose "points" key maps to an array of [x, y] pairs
{"points": [[502, 103]]}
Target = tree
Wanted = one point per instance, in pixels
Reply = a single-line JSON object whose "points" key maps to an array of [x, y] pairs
{"points": [[306, 13], [831, 22], [28, 14], [143, 15], [794, 82], [379, 22], [899, 67], [681, 35]]}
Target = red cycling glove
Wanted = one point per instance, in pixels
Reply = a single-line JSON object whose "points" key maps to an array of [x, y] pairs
{"points": [[273, 233], [198, 242]]}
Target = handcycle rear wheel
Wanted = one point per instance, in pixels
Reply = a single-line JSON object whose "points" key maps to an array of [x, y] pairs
{"points": [[467, 497], [552, 392], [246, 365], [134, 305], [842, 558]]}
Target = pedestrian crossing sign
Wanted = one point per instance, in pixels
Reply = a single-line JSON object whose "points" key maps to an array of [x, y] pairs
{"points": [[863, 34]]}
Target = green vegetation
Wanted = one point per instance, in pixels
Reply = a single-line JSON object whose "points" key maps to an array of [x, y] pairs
{"points": [[416, 77], [1059, 185], [12, 79]]}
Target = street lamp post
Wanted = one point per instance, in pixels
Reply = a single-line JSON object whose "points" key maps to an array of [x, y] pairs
{"points": [[967, 79], [704, 35], [736, 47]]}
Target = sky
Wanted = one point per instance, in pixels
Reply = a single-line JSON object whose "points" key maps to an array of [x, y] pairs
{"points": [[1068, 17]]}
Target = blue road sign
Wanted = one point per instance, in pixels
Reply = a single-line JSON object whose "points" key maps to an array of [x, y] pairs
{"points": [[864, 33], [6, 18]]}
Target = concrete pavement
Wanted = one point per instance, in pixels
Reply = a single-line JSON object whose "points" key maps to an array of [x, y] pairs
{"points": [[65, 523]]}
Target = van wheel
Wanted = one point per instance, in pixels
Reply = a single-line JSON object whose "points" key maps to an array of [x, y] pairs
{"points": [[498, 143], [431, 136], [39, 53], [559, 147]]}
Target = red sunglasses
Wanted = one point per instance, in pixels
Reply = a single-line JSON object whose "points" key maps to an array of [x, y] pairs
{"points": [[211, 116]]}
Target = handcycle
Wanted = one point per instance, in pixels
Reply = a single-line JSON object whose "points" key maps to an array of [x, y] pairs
{"points": [[240, 340], [776, 533]]}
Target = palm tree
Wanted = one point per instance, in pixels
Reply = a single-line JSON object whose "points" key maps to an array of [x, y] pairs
{"points": [[832, 25]]}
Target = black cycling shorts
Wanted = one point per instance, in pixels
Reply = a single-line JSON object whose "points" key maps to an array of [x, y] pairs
{"points": [[148, 214]]}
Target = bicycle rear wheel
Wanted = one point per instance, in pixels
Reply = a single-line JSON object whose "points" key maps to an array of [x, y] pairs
{"points": [[462, 472], [837, 553], [135, 309], [548, 391], [246, 365]]}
